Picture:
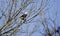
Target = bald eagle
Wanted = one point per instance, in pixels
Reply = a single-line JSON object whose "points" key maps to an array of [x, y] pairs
{"points": [[23, 17]]}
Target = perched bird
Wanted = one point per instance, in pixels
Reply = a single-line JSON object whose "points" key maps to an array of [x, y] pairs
{"points": [[24, 16]]}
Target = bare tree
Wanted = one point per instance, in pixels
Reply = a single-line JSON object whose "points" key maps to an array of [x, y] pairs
{"points": [[38, 11]]}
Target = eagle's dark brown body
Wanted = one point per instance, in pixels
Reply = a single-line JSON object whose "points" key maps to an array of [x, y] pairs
{"points": [[23, 16]]}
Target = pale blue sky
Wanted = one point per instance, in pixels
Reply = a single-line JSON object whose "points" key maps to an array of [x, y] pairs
{"points": [[57, 5]]}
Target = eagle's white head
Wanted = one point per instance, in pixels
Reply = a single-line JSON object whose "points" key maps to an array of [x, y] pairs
{"points": [[26, 13]]}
